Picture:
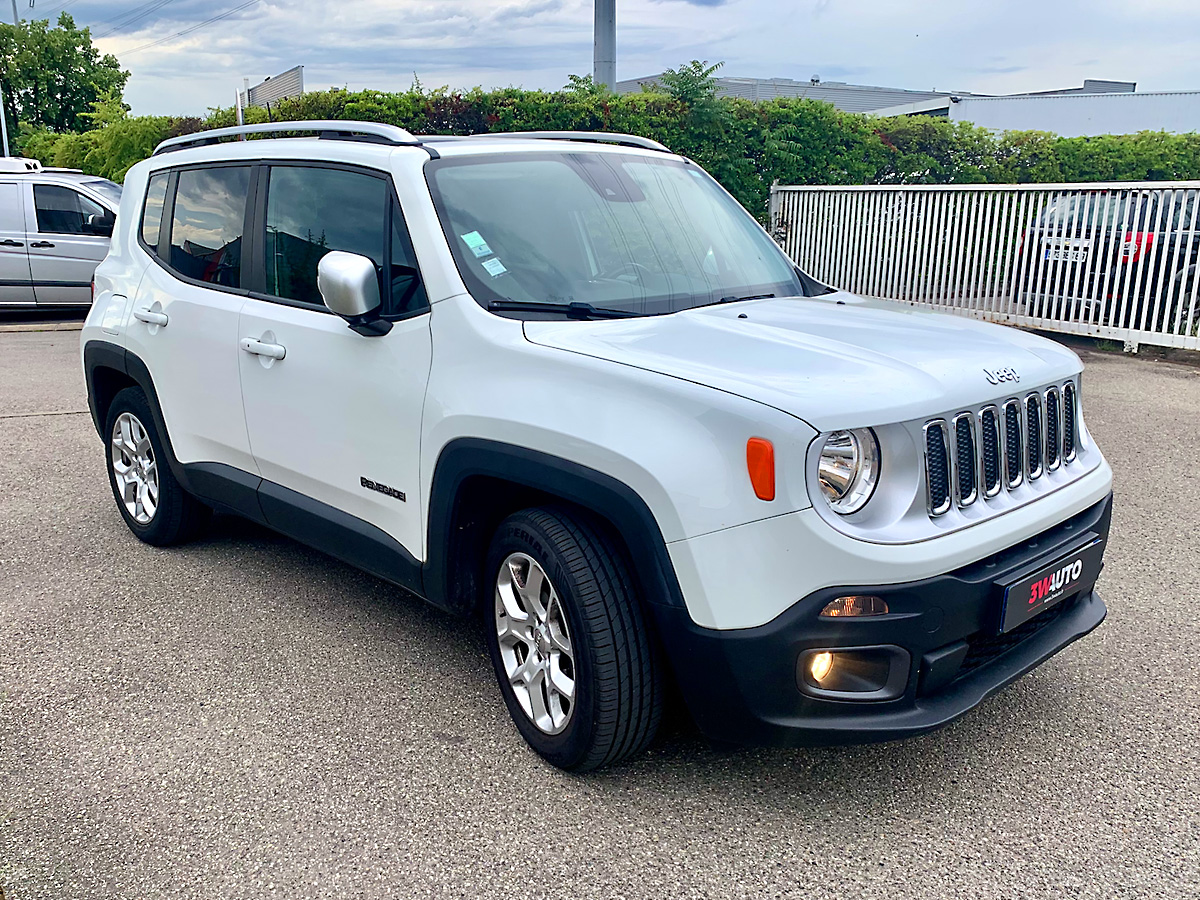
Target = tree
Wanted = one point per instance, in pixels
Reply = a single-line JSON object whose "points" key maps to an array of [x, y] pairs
{"points": [[584, 86], [52, 76], [692, 83]]}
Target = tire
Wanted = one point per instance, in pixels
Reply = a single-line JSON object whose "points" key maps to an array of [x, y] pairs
{"points": [[608, 653], [137, 463]]}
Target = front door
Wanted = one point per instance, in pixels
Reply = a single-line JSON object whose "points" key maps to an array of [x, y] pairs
{"points": [[16, 284], [64, 248], [333, 415]]}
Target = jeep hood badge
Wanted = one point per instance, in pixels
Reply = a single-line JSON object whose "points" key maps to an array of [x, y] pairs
{"points": [[997, 376]]}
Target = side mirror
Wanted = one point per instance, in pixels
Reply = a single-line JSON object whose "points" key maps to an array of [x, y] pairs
{"points": [[100, 225], [349, 285]]}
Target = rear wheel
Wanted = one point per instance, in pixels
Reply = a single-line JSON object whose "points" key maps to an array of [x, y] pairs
{"points": [[576, 664], [151, 501]]}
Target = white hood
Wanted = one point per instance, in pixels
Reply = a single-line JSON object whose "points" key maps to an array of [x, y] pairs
{"points": [[833, 364]]}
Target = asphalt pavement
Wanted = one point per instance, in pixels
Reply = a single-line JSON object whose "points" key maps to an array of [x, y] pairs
{"points": [[244, 717]]}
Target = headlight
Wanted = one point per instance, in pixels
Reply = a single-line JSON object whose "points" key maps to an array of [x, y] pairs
{"points": [[849, 469]]}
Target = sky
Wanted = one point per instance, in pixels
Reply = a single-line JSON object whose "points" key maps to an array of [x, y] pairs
{"points": [[985, 46]]}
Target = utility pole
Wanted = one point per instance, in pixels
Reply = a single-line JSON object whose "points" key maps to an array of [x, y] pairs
{"points": [[3, 118], [3, 121], [605, 56]]}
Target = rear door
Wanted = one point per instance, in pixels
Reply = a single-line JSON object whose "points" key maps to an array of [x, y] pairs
{"points": [[185, 312], [16, 284], [64, 248]]}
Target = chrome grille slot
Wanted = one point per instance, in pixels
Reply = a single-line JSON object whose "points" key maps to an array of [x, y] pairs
{"points": [[1013, 446], [1053, 429], [965, 478], [937, 468], [1007, 452], [989, 451], [1033, 436], [1068, 413]]}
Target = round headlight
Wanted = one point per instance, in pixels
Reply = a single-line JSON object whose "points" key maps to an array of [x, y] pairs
{"points": [[849, 469]]}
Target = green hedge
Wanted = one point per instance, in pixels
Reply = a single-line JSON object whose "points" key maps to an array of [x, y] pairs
{"points": [[745, 145]]}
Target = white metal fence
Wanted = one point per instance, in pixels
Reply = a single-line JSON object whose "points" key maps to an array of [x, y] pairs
{"points": [[1115, 260]]}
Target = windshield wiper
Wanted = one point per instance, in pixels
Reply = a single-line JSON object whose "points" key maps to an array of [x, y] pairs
{"points": [[747, 297], [574, 310]]}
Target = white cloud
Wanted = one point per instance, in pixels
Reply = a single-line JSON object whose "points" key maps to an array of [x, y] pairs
{"points": [[988, 46]]}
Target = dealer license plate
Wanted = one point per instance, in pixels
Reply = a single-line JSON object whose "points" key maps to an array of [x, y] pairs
{"points": [[1051, 583]]}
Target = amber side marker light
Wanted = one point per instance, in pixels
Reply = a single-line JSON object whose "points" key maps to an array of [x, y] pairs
{"points": [[845, 607], [760, 463]]}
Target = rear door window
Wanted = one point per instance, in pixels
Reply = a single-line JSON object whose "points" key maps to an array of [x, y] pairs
{"points": [[61, 210], [206, 230]]}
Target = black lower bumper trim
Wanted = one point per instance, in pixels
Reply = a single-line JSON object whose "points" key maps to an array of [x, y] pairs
{"points": [[741, 686]]}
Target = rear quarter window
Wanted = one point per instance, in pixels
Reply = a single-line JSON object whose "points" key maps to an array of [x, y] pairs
{"points": [[152, 212]]}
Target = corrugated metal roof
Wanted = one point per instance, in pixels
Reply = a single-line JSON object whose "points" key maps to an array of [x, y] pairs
{"points": [[850, 97]]}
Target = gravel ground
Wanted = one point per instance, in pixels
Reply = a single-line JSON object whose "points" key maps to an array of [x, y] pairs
{"points": [[243, 717]]}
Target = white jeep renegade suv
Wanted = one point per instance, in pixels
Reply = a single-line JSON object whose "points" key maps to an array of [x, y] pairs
{"points": [[563, 380]]}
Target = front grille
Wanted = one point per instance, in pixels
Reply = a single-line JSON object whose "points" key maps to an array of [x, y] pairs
{"points": [[985, 648], [989, 446], [1068, 400], [1033, 436], [1001, 447], [1052, 429], [937, 468], [964, 458], [1012, 439]]}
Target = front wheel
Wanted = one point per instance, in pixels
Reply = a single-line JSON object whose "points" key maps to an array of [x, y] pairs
{"points": [[576, 663]]}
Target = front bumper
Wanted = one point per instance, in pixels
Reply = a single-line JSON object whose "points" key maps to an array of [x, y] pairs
{"points": [[742, 688]]}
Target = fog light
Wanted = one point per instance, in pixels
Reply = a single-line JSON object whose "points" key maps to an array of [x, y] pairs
{"points": [[819, 665], [855, 606], [854, 673]]}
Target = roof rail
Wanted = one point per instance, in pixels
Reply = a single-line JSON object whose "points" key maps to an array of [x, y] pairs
{"points": [[594, 137], [371, 132]]}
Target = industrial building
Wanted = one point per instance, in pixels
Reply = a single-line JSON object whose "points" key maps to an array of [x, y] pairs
{"points": [[1068, 115], [1096, 107]]}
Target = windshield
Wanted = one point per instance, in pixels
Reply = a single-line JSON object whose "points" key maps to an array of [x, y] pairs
{"points": [[620, 231], [107, 189]]}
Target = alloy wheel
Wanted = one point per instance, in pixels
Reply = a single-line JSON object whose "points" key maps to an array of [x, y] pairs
{"points": [[535, 643], [135, 468]]}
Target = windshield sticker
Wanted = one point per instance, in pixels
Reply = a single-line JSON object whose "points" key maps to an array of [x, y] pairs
{"points": [[478, 245], [494, 267]]}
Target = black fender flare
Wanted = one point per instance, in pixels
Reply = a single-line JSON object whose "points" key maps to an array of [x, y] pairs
{"points": [[465, 458], [107, 355]]}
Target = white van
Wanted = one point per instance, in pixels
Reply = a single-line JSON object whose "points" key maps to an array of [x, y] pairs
{"points": [[55, 226]]}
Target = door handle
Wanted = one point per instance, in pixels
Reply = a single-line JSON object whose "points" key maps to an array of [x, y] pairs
{"points": [[41, 244], [9, 242], [258, 348], [150, 317]]}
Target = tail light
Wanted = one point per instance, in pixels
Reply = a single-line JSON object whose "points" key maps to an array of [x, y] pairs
{"points": [[93, 288], [1136, 243]]}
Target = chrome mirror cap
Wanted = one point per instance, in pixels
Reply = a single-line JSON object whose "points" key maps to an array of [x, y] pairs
{"points": [[348, 283]]}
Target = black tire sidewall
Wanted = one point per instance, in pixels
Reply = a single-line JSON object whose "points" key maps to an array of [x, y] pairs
{"points": [[570, 747]]}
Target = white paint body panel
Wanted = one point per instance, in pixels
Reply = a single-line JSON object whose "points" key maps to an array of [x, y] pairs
{"points": [[336, 408]]}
